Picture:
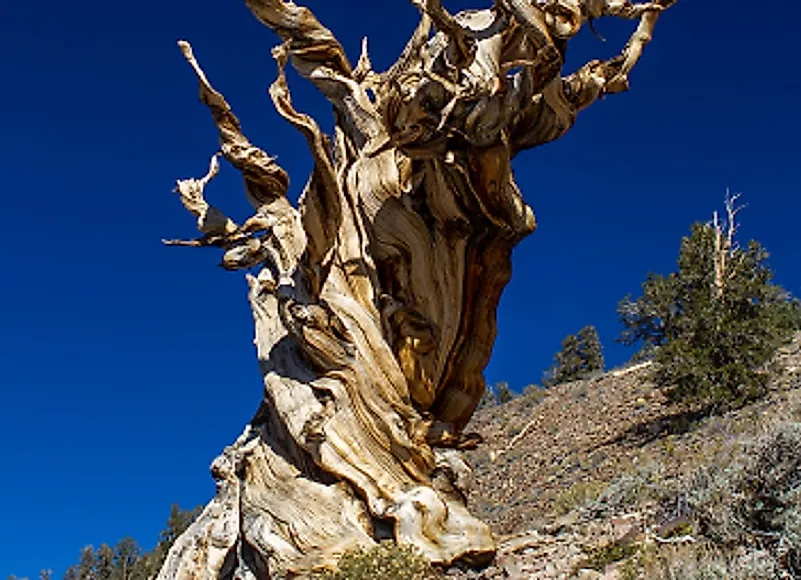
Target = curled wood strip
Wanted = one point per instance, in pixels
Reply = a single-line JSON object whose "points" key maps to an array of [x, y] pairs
{"points": [[265, 179]]}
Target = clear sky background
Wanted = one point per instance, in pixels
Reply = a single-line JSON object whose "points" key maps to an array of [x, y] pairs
{"points": [[125, 366]]}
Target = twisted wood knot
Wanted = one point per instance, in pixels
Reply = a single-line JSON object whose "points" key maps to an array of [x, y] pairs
{"points": [[448, 435]]}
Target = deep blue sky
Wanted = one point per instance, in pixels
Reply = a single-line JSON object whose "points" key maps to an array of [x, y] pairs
{"points": [[127, 366]]}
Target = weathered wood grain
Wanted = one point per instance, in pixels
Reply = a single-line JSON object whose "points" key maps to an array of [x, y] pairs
{"points": [[375, 298]]}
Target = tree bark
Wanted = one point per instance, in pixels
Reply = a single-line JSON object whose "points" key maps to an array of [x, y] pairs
{"points": [[375, 299]]}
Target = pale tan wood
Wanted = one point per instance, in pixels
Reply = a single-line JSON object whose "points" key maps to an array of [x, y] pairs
{"points": [[375, 298]]}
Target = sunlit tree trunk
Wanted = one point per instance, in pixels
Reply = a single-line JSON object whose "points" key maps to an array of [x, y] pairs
{"points": [[375, 298]]}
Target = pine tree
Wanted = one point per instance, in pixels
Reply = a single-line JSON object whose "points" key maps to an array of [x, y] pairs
{"points": [[567, 363], [532, 389], [177, 524], [581, 355], [126, 561], [590, 351], [127, 557], [104, 563], [503, 394], [487, 399], [86, 565], [715, 324]]}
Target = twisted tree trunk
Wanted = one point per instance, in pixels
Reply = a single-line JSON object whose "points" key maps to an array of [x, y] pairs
{"points": [[375, 298]]}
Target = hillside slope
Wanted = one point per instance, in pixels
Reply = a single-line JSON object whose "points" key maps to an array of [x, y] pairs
{"points": [[576, 477]]}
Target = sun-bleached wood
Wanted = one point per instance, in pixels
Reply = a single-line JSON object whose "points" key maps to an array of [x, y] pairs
{"points": [[374, 299], [726, 250]]}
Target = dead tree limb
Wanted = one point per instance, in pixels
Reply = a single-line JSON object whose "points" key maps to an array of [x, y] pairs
{"points": [[725, 247]]}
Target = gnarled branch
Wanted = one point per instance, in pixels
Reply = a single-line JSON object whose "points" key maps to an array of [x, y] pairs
{"points": [[446, 23], [553, 112], [321, 203], [264, 179], [309, 42]]}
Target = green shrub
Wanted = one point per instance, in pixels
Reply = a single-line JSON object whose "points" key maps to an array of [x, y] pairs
{"points": [[386, 560], [627, 489], [705, 563], [755, 502], [576, 496], [600, 557]]}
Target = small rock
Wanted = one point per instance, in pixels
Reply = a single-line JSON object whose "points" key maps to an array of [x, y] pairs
{"points": [[563, 523], [521, 543], [586, 574], [513, 568], [625, 528]]}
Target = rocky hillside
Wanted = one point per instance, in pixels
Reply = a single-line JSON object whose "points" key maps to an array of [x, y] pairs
{"points": [[587, 479]]}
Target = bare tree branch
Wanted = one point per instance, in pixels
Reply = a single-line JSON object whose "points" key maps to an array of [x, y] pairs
{"points": [[531, 18], [726, 248], [242, 249], [553, 111], [364, 66], [546, 59], [634, 48], [320, 205], [620, 8], [265, 180], [318, 56], [308, 41], [210, 220], [447, 24], [411, 54]]}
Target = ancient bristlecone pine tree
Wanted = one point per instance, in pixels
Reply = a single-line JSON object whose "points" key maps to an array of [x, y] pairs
{"points": [[375, 298]]}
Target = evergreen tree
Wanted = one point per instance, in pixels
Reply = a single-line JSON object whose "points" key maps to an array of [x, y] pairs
{"points": [[487, 399], [177, 524], [715, 324], [590, 351], [567, 363], [86, 565], [104, 563], [503, 394], [126, 561], [532, 389], [581, 355], [127, 557]]}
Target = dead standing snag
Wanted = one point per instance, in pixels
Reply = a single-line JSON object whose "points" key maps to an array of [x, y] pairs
{"points": [[374, 299]]}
